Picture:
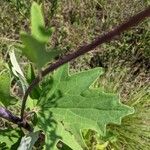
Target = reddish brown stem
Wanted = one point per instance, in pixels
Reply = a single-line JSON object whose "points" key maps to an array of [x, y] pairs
{"points": [[6, 114], [106, 37]]}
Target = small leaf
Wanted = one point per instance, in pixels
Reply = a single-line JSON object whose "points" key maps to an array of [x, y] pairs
{"points": [[31, 103], [35, 51], [37, 24], [30, 73], [28, 141], [35, 94], [5, 98], [55, 131], [34, 45], [17, 70]]}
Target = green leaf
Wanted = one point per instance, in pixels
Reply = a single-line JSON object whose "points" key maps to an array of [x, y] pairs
{"points": [[55, 131], [30, 73], [74, 103], [5, 98], [31, 103], [28, 141], [10, 137], [37, 24], [34, 45], [15, 66], [35, 94], [17, 70], [35, 50], [74, 84]]}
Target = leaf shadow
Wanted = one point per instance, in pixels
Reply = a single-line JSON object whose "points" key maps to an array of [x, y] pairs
{"points": [[47, 121]]}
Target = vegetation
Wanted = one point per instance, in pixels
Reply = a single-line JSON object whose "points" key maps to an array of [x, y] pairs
{"points": [[56, 120]]}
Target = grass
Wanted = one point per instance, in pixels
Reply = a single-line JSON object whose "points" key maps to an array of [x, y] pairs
{"points": [[134, 131], [125, 61]]}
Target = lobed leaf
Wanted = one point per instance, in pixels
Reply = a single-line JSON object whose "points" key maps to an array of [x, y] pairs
{"points": [[72, 102], [55, 132], [10, 138], [34, 45], [38, 30]]}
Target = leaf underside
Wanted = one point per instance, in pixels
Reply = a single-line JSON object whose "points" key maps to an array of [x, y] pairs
{"points": [[69, 104], [28, 141]]}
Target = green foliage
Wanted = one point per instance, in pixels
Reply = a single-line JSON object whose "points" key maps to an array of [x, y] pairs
{"points": [[37, 24], [10, 138], [5, 98], [35, 94], [67, 104], [70, 102], [34, 45]]}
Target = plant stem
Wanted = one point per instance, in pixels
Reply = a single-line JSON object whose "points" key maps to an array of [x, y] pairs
{"points": [[6, 114], [106, 37]]}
